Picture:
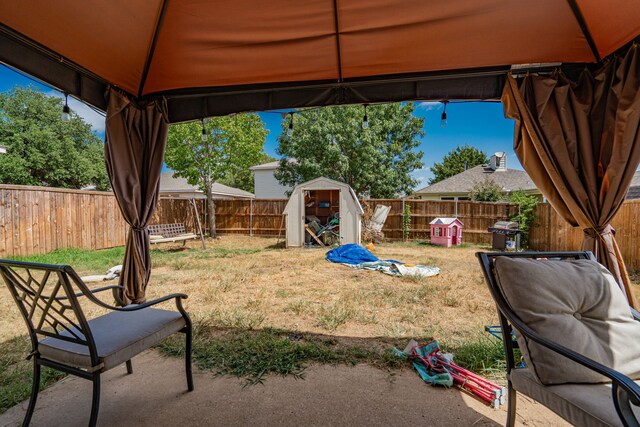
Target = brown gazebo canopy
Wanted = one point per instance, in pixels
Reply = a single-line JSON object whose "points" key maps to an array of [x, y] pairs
{"points": [[166, 61], [212, 58]]}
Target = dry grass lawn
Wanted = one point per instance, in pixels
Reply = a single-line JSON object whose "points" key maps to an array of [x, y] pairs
{"points": [[250, 283]]}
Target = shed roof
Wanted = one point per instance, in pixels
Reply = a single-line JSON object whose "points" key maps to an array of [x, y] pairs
{"points": [[324, 183], [508, 179]]}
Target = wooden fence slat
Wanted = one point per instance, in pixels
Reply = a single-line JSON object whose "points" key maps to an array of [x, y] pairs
{"points": [[38, 220]]}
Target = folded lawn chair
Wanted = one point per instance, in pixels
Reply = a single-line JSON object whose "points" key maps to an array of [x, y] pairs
{"points": [[62, 338], [579, 337]]}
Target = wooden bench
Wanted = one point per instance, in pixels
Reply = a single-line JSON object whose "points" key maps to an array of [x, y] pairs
{"points": [[163, 233]]}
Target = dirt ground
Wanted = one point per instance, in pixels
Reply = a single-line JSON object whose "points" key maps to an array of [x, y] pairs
{"points": [[252, 282], [298, 289]]}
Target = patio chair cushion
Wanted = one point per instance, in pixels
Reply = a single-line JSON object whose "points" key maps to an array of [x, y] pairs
{"points": [[580, 404], [577, 304], [118, 335]]}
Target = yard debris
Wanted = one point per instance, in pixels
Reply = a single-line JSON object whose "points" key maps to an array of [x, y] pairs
{"points": [[111, 274], [373, 221], [356, 256], [437, 368]]}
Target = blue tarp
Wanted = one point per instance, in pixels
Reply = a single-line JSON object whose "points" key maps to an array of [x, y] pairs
{"points": [[351, 254]]}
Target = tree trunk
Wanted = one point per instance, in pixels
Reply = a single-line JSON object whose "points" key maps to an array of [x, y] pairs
{"points": [[211, 208]]}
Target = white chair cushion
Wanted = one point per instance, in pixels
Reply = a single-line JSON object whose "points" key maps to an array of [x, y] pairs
{"points": [[118, 335], [574, 303], [580, 404]]}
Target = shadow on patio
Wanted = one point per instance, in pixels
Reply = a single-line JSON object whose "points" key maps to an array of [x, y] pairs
{"points": [[329, 395]]}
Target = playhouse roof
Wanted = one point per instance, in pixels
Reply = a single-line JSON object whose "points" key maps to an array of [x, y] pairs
{"points": [[445, 221]]}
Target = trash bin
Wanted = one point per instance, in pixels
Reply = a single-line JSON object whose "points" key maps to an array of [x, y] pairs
{"points": [[504, 232]]}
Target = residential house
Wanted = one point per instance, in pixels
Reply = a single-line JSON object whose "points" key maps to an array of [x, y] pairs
{"points": [[458, 187], [634, 189], [178, 188], [266, 186]]}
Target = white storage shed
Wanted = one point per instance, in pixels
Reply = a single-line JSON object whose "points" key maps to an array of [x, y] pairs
{"points": [[323, 198]]}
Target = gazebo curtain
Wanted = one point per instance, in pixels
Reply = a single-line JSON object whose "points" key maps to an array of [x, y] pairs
{"points": [[136, 136], [580, 143]]}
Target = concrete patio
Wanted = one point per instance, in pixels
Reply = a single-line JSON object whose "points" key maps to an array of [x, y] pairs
{"points": [[155, 395]]}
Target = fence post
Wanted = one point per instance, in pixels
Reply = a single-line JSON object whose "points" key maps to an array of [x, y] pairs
{"points": [[250, 217]]}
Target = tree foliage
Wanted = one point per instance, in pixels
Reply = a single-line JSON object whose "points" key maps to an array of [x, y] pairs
{"points": [[244, 178], [231, 145], [486, 191], [42, 149], [456, 161], [376, 161], [526, 215]]}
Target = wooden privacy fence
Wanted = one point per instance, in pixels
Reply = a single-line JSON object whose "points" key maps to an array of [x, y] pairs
{"points": [[38, 220], [264, 217], [552, 233], [476, 217]]}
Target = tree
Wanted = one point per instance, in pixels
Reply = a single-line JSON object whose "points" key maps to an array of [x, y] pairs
{"points": [[376, 161], [456, 161], [526, 215], [42, 149], [229, 146], [486, 191]]}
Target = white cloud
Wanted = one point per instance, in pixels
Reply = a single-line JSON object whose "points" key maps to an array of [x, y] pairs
{"points": [[93, 118], [430, 105]]}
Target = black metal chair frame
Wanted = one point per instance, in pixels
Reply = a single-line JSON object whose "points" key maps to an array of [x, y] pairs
{"points": [[52, 322], [624, 390]]}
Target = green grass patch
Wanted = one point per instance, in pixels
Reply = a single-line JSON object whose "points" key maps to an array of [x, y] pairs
{"points": [[251, 355], [16, 373], [484, 355], [80, 259], [99, 261]]}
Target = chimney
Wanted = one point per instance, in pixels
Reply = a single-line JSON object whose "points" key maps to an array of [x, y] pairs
{"points": [[499, 161]]}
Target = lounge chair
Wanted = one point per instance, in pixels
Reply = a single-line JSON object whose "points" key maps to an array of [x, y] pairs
{"points": [[579, 338], [62, 338]]}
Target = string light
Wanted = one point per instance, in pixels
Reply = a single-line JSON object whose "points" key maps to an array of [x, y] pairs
{"points": [[290, 130], [204, 131], [443, 118], [365, 119], [66, 111]]}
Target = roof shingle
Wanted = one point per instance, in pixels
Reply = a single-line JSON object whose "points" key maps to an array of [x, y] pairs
{"points": [[509, 180]]}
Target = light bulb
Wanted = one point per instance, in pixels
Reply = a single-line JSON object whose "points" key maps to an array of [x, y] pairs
{"points": [[365, 119], [443, 120], [66, 111], [443, 117], [204, 131], [290, 130]]}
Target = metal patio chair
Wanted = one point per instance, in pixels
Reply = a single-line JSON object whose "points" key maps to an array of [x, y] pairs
{"points": [[611, 400], [62, 338]]}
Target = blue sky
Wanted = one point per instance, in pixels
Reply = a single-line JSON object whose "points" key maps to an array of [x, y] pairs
{"points": [[479, 124]]}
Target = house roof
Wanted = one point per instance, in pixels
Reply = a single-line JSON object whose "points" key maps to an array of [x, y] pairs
{"points": [[270, 165], [171, 185], [447, 221], [509, 179], [634, 189], [266, 166]]}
